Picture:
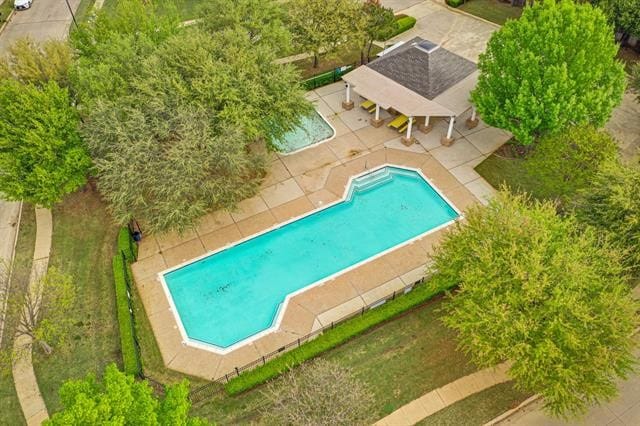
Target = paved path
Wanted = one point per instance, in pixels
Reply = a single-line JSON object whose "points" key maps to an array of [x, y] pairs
{"points": [[24, 378], [9, 224], [444, 396], [44, 20]]}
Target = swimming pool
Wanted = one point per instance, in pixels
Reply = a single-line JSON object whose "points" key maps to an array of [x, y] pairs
{"points": [[313, 129], [235, 294]]}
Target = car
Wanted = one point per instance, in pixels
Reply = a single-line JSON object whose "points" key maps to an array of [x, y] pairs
{"points": [[22, 4]]}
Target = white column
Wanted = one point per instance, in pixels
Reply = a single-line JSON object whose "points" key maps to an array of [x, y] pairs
{"points": [[473, 113], [377, 112], [409, 128], [450, 131], [348, 93], [426, 121]]}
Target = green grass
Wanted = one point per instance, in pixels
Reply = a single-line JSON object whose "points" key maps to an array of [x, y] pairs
{"points": [[478, 408], [5, 10], [188, 8], [492, 10], [498, 170], [84, 241], [399, 360], [10, 411]]}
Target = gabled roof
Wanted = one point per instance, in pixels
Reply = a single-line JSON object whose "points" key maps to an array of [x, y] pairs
{"points": [[423, 67]]}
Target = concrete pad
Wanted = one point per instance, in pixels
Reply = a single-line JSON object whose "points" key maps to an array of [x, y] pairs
{"points": [[370, 275], [406, 158], [330, 88], [322, 198], [334, 100], [413, 412], [488, 140], [414, 275], [221, 237], [194, 361], [398, 145], [314, 180], [338, 179], [153, 296], [277, 172], [373, 137], [406, 258], [172, 239], [450, 393], [367, 162], [429, 140], [309, 159], [296, 320], [325, 296], [462, 151], [149, 267], [214, 221], [355, 119], [338, 125], [256, 223], [383, 291], [249, 207], [339, 312], [281, 193], [347, 146], [148, 247], [481, 189], [44, 222], [237, 358], [311, 96], [292, 209], [431, 403], [186, 251], [461, 123], [465, 173], [430, 242], [323, 108], [461, 198], [438, 175], [273, 342]]}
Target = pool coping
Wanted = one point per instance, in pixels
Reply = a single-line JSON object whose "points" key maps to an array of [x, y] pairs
{"points": [[276, 323], [315, 144]]}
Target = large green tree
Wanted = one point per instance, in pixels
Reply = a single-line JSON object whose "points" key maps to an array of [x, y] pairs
{"points": [[121, 400], [37, 63], [565, 162], [623, 14], [543, 293], [612, 204], [42, 156], [553, 67], [324, 27], [185, 140], [378, 24]]}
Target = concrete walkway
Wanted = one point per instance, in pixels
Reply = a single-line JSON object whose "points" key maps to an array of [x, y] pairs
{"points": [[24, 378], [444, 396]]}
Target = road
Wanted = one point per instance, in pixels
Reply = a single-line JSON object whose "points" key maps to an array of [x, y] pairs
{"points": [[45, 19]]}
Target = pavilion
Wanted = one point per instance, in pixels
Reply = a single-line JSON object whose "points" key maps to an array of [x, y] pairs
{"points": [[419, 79]]}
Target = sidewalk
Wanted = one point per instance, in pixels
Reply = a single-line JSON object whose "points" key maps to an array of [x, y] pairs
{"points": [[446, 395]]}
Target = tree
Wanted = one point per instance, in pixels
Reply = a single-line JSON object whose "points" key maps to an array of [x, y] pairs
{"points": [[42, 305], [263, 20], [324, 26], [37, 63], [121, 400], [542, 292], [624, 15], [565, 162], [379, 24], [555, 66], [318, 393], [183, 142], [42, 157], [612, 203]]}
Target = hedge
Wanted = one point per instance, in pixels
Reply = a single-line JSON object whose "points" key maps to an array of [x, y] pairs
{"points": [[403, 23], [455, 3], [126, 244], [331, 338]]}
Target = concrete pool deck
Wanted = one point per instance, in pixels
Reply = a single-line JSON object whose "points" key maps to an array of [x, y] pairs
{"points": [[297, 184]]}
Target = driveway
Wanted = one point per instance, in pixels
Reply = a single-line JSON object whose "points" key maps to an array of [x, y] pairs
{"points": [[46, 19]]}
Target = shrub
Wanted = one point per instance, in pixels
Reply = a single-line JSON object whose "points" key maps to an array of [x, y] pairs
{"points": [[332, 338], [403, 24], [130, 356], [126, 244], [455, 3]]}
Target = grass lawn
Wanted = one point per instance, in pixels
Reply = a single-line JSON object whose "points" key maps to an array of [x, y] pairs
{"points": [[498, 170], [84, 241], [188, 8], [331, 62], [478, 408], [492, 10], [10, 411], [399, 360]]}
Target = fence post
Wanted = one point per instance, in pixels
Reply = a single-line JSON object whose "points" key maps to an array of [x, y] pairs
{"points": [[237, 371], [298, 342], [394, 295]]}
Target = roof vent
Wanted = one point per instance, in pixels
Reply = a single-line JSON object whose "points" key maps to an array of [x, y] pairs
{"points": [[426, 46]]}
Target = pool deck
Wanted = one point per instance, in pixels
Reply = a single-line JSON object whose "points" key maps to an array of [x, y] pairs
{"points": [[297, 184]]}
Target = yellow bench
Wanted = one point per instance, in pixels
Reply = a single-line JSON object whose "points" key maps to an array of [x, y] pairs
{"points": [[399, 123], [368, 105]]}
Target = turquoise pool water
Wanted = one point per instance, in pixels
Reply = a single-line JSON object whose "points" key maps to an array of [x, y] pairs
{"points": [[236, 293], [313, 129]]}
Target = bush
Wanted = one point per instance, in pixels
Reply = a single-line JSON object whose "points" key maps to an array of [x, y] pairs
{"points": [[126, 244], [403, 23], [331, 338], [455, 3], [130, 356]]}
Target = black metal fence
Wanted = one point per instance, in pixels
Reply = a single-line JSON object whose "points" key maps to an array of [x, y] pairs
{"points": [[328, 77]]}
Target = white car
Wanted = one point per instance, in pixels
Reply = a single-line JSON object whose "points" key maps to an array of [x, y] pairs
{"points": [[22, 4]]}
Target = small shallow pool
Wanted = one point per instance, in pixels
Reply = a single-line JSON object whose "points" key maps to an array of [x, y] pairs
{"points": [[236, 293], [313, 129]]}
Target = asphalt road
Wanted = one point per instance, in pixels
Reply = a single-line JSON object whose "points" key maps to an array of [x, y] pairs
{"points": [[45, 19]]}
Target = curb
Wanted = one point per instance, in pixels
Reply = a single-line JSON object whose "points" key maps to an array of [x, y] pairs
{"points": [[8, 18]]}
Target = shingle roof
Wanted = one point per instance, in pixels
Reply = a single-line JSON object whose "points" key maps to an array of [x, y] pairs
{"points": [[427, 72]]}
